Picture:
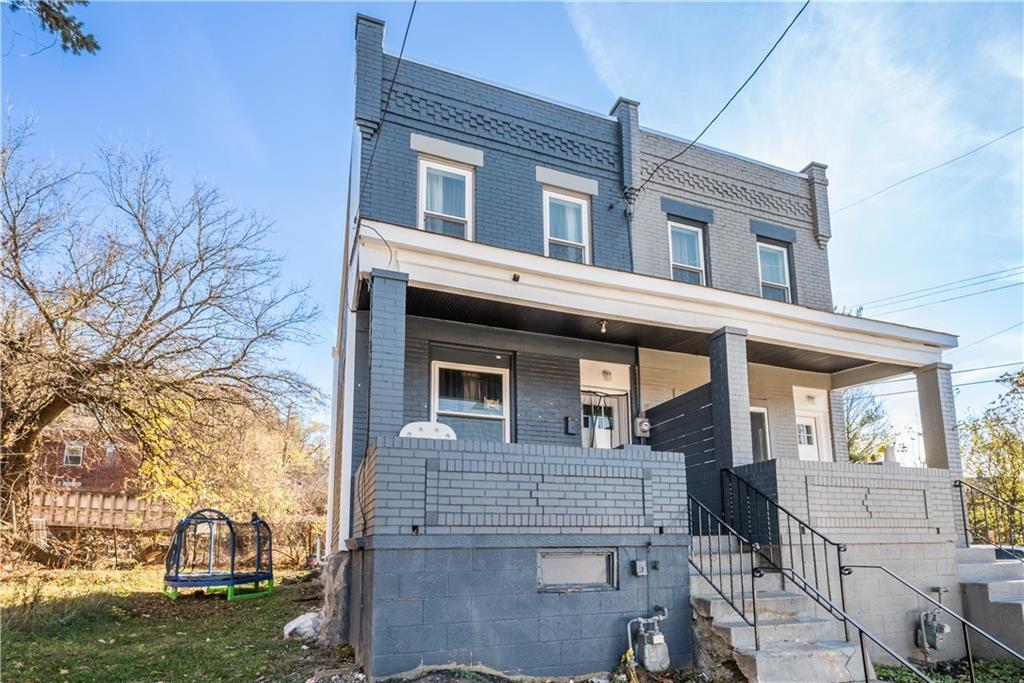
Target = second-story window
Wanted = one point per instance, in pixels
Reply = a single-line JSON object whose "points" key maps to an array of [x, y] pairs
{"points": [[74, 451], [773, 264], [687, 253], [446, 199], [566, 226]]}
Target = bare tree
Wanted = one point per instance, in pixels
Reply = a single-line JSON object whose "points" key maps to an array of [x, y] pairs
{"points": [[867, 425], [150, 311]]}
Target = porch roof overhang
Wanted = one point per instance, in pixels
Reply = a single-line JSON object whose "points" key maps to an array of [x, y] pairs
{"points": [[475, 282]]}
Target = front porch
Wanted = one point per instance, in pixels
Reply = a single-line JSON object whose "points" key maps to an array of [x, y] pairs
{"points": [[585, 405]]}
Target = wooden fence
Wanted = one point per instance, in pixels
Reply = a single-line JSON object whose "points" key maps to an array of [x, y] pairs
{"points": [[100, 510]]}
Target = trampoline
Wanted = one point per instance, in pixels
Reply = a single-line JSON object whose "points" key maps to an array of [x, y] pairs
{"points": [[210, 551]]}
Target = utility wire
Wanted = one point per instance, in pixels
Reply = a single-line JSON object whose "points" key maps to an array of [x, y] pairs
{"points": [[868, 304], [928, 170], [946, 290], [952, 298], [957, 372], [376, 135], [726, 106], [955, 386], [984, 339]]}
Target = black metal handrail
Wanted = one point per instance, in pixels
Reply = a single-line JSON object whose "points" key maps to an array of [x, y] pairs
{"points": [[705, 525], [862, 633], [990, 520], [785, 540], [965, 625]]}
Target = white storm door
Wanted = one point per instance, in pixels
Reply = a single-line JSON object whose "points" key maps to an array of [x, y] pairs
{"points": [[807, 434]]}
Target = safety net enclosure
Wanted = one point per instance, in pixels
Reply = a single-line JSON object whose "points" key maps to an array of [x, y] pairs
{"points": [[211, 551]]}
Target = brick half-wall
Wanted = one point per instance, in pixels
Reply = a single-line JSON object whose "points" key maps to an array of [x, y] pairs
{"points": [[899, 517]]}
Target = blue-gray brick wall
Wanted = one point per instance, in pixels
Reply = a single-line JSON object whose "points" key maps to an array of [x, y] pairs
{"points": [[446, 542], [516, 133], [545, 381], [387, 352], [453, 604]]}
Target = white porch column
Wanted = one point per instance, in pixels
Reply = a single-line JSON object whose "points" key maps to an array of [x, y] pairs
{"points": [[938, 418], [938, 427], [730, 397]]}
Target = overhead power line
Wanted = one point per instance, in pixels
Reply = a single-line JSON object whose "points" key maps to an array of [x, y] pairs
{"points": [[894, 298], [985, 339], [946, 290], [952, 298], [955, 386], [928, 170], [726, 106], [958, 372]]}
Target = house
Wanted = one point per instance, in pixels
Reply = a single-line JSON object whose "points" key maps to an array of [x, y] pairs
{"points": [[84, 481], [643, 374]]}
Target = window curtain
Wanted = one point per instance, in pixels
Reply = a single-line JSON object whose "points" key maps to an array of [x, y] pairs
{"points": [[446, 193]]}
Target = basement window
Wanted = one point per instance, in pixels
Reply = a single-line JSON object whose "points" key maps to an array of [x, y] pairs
{"points": [[573, 570]]}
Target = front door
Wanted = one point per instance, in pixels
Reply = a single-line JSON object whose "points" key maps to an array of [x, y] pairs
{"points": [[807, 437], [603, 415]]}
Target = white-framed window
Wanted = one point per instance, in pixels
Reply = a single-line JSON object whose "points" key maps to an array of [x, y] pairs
{"points": [[74, 453], [446, 198], [773, 266], [471, 399], [759, 438], [566, 226], [110, 455], [687, 258]]}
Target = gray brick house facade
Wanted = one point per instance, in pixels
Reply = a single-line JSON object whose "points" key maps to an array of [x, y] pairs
{"points": [[504, 277]]}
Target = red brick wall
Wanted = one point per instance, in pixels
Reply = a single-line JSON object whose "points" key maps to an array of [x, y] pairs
{"points": [[95, 473]]}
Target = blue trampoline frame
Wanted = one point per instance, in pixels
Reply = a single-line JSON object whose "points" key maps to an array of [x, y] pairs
{"points": [[220, 581]]}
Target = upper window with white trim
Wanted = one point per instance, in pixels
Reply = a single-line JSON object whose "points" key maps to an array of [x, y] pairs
{"points": [[773, 265], [446, 198], [74, 452], [687, 253], [566, 226], [472, 400]]}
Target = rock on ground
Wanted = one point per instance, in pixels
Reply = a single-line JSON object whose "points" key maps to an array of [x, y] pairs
{"points": [[304, 627]]}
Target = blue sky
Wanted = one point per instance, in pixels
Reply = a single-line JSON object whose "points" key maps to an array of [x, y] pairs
{"points": [[257, 99]]}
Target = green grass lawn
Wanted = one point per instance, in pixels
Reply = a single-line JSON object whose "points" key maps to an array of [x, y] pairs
{"points": [[73, 625]]}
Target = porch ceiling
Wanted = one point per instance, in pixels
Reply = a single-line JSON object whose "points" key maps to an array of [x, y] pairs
{"points": [[460, 308]]}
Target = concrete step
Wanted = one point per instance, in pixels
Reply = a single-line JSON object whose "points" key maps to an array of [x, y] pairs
{"points": [[738, 634], [770, 605], [725, 542], [984, 572], [699, 586], [1006, 591], [820, 662], [998, 608], [976, 553]]}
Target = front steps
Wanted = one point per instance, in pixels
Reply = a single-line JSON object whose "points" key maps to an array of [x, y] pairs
{"points": [[993, 595], [798, 645]]}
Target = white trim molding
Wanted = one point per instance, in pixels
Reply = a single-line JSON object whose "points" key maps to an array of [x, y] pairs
{"points": [[566, 181], [443, 149], [483, 271]]}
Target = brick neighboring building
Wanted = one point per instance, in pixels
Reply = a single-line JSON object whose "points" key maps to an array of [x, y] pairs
{"points": [[607, 359], [84, 481]]}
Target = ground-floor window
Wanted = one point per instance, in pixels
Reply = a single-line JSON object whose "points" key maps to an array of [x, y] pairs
{"points": [[472, 400]]}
